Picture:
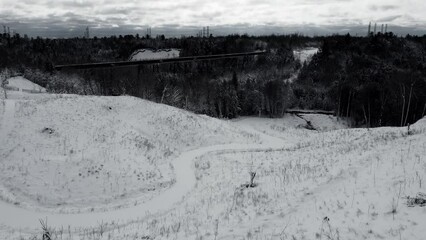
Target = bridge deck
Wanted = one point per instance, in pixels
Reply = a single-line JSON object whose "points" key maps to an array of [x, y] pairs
{"points": [[156, 61]]}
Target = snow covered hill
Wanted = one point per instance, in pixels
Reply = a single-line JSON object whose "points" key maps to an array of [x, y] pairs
{"points": [[148, 54], [72, 153], [165, 173], [24, 85], [305, 54], [340, 184], [344, 184]]}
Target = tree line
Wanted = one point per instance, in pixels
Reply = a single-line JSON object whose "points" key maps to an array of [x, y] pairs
{"points": [[221, 88], [378, 80]]}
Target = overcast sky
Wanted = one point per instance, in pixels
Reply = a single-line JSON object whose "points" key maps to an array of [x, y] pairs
{"points": [[67, 18]]}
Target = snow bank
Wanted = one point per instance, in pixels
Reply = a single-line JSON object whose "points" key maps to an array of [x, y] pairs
{"points": [[420, 124]]}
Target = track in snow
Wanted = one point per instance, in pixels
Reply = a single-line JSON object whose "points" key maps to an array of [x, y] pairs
{"points": [[28, 220]]}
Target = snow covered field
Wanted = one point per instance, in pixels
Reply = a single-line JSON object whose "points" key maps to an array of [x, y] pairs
{"points": [[169, 174]]}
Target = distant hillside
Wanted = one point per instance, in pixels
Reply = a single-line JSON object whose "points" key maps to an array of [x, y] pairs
{"points": [[148, 54], [24, 85], [377, 81]]}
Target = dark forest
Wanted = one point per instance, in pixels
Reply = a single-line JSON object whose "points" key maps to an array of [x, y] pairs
{"points": [[378, 80]]}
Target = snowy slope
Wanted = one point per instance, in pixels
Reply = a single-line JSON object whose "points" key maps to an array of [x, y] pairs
{"points": [[22, 84], [305, 54], [340, 184], [148, 54], [67, 153], [334, 183], [290, 128]]}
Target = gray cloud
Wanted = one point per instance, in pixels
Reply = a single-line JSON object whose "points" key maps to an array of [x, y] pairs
{"points": [[383, 7], [75, 4], [176, 17], [389, 19]]}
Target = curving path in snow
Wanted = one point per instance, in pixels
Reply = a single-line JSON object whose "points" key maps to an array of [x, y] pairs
{"points": [[28, 220]]}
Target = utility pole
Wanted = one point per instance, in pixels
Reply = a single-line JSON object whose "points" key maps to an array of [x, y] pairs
{"points": [[369, 29], [148, 32], [375, 26], [86, 33]]}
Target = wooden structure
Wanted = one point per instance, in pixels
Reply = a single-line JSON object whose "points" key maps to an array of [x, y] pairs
{"points": [[303, 111]]}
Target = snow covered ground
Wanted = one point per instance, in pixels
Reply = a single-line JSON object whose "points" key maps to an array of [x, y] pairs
{"points": [[68, 153], [344, 184], [305, 54], [329, 183], [148, 54], [24, 85], [292, 128]]}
